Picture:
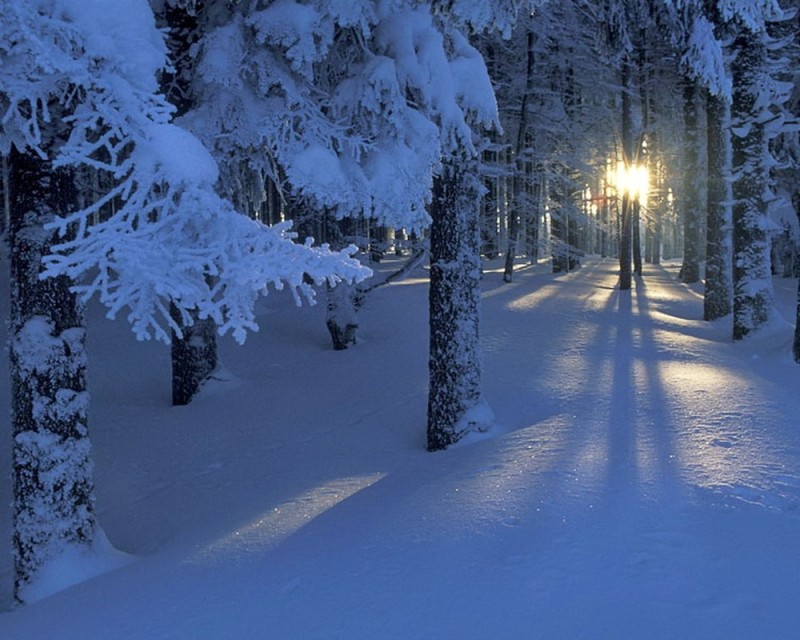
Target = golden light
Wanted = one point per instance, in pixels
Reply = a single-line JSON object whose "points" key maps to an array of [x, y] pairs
{"points": [[632, 180]]}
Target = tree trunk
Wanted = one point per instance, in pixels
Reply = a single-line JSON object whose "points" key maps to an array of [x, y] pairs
{"points": [[455, 405], [6, 223], [690, 269], [194, 357], [796, 345], [637, 237], [626, 222], [752, 280], [342, 315], [717, 292], [518, 183], [52, 469], [534, 217], [194, 353]]}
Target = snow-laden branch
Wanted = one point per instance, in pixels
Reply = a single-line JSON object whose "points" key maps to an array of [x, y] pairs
{"points": [[350, 106], [170, 238]]}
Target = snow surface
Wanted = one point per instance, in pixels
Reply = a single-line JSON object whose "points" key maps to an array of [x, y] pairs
{"points": [[645, 482]]}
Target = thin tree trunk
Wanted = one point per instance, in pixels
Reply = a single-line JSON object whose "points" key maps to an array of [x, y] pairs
{"points": [[626, 222], [796, 345], [534, 217], [6, 196], [519, 169], [637, 237], [455, 405], [52, 469], [717, 291], [690, 269]]}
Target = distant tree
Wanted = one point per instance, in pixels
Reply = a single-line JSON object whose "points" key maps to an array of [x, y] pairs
{"points": [[717, 289], [704, 61], [690, 197], [518, 179]]}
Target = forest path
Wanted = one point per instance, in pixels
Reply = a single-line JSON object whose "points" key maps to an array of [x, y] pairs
{"points": [[666, 459], [656, 399]]}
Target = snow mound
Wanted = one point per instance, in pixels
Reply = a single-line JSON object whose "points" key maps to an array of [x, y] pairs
{"points": [[75, 564]]}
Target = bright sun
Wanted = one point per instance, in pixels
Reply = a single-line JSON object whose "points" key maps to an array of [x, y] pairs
{"points": [[632, 180]]}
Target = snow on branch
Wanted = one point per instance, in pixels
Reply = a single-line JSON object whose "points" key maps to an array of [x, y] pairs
{"points": [[170, 238], [704, 58], [351, 106]]}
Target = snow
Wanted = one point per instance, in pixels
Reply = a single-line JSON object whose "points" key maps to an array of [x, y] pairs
{"points": [[126, 35], [174, 155], [645, 481], [74, 565]]}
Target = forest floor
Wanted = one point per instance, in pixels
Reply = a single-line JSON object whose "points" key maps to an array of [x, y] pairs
{"points": [[643, 482]]}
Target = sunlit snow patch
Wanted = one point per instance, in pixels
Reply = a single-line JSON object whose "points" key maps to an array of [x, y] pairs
{"points": [[75, 564], [274, 526]]}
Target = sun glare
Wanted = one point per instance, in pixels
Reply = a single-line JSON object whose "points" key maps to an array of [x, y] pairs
{"points": [[632, 180]]}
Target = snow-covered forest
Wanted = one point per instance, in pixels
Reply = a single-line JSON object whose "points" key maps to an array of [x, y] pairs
{"points": [[400, 318]]}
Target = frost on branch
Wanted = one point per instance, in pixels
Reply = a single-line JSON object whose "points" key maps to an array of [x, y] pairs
{"points": [[178, 240], [349, 106], [170, 237], [704, 58]]}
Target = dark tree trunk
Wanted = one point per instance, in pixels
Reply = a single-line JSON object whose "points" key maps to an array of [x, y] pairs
{"points": [[690, 269], [518, 183], [342, 315], [534, 213], [342, 302], [626, 221], [637, 237], [717, 292], [194, 357], [796, 345], [559, 221], [6, 218], [52, 469], [454, 396], [752, 278]]}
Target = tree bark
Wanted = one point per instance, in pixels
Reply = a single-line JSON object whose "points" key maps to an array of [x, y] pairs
{"points": [[518, 183], [717, 291], [52, 468], [455, 405], [194, 351], [194, 357], [796, 344], [690, 269], [626, 222], [637, 237], [752, 278]]}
